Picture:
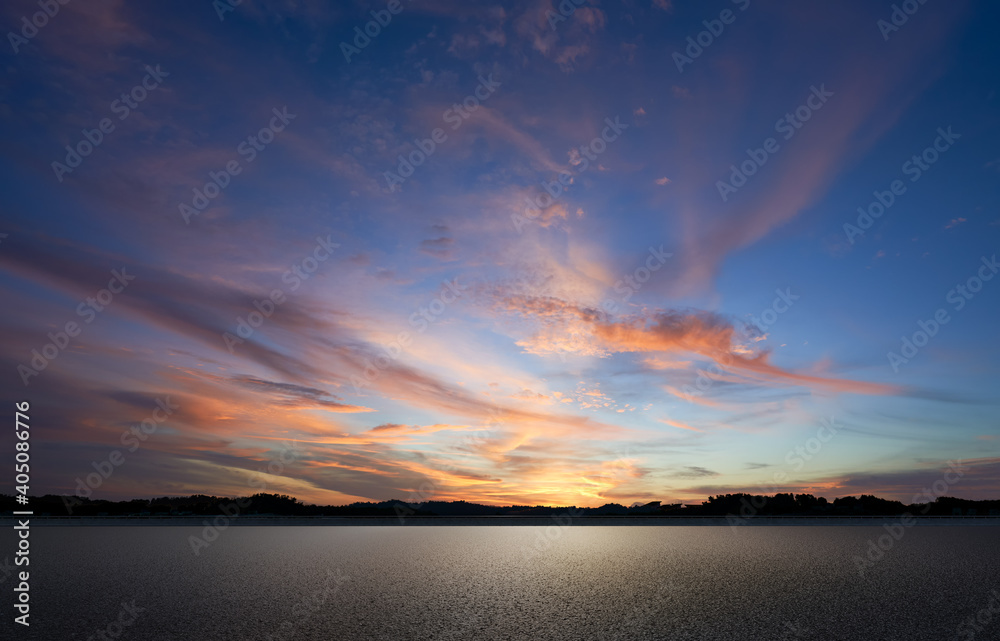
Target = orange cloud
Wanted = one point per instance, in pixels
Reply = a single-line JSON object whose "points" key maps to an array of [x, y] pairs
{"points": [[565, 327], [683, 426]]}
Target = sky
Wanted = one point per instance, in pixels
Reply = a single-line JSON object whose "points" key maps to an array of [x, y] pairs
{"points": [[512, 253]]}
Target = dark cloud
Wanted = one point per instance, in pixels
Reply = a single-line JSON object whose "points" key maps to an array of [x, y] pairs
{"points": [[438, 247]]}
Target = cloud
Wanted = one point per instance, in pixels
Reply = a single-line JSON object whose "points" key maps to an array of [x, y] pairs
{"points": [[298, 396], [191, 306], [390, 427], [535, 28], [502, 129], [692, 472], [438, 247], [680, 92], [975, 479], [868, 100], [560, 326], [678, 424]]}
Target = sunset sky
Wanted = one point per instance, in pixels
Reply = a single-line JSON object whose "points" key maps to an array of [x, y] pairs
{"points": [[571, 295]]}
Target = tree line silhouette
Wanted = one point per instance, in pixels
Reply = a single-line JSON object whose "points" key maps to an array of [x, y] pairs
{"points": [[742, 505]]}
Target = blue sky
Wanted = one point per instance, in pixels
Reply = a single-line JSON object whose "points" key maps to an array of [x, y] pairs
{"points": [[640, 333]]}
